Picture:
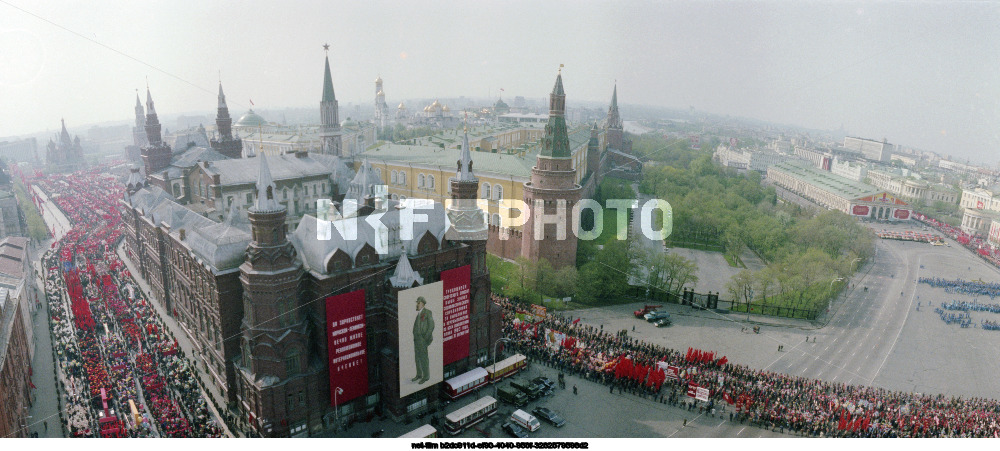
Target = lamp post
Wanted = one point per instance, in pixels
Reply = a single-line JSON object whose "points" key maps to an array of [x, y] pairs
{"points": [[495, 383], [336, 407]]}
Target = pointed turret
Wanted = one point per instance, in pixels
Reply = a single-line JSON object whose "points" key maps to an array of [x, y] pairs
{"points": [[556, 141], [225, 144], [465, 160], [265, 188], [405, 275], [152, 123], [329, 114], [64, 135], [139, 131], [222, 98], [149, 103], [614, 119], [328, 94]]}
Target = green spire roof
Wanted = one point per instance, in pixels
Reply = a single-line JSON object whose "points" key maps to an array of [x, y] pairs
{"points": [[558, 88], [328, 95]]}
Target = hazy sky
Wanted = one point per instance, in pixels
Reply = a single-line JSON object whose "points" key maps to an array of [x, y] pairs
{"points": [[923, 74]]}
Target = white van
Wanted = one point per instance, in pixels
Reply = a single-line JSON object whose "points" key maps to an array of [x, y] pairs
{"points": [[525, 420]]}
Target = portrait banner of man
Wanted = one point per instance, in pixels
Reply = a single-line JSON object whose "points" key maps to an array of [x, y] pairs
{"points": [[421, 350]]}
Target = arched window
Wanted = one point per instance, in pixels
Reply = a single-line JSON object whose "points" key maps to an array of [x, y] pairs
{"points": [[378, 172], [177, 190], [420, 181], [393, 178], [284, 194], [430, 181], [498, 192], [486, 190], [402, 178], [495, 220], [292, 362], [270, 192]]}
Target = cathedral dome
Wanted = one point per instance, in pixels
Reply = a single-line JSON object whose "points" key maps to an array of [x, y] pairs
{"points": [[250, 119], [380, 93], [401, 106], [445, 108]]}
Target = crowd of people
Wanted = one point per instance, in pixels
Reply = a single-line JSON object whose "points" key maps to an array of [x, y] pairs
{"points": [[114, 353], [971, 288], [974, 243], [962, 319], [990, 325], [965, 306], [802, 405]]}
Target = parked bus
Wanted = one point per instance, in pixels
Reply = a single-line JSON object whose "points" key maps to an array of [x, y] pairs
{"points": [[425, 431], [464, 383], [469, 415], [506, 367]]}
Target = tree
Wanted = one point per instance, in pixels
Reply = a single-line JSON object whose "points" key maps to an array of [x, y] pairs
{"points": [[606, 278], [741, 287], [564, 282]]}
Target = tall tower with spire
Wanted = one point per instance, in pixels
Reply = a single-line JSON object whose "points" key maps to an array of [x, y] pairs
{"points": [[225, 143], [616, 133], [139, 131], [275, 332], [156, 154], [329, 114], [552, 192]]}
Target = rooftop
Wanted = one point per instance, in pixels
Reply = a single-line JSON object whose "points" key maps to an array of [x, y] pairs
{"points": [[835, 184]]}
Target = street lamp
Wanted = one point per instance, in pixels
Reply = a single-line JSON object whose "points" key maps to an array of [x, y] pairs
{"points": [[336, 407], [839, 279], [495, 383]]}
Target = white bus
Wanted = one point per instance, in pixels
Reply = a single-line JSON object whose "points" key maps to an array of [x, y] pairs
{"points": [[469, 415], [425, 431]]}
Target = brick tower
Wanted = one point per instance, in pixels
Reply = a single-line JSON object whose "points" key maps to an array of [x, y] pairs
{"points": [[156, 154], [225, 143], [552, 192], [329, 114], [275, 363]]}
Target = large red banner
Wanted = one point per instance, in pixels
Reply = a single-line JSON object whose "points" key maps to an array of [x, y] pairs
{"points": [[902, 214], [861, 210], [456, 313], [348, 346]]}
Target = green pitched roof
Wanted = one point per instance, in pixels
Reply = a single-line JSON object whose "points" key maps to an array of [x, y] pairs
{"points": [[328, 95]]}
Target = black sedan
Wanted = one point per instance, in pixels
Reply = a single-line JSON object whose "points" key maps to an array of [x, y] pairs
{"points": [[514, 430], [549, 415]]}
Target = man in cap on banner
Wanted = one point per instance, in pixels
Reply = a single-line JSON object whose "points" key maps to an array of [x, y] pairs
{"points": [[423, 328]]}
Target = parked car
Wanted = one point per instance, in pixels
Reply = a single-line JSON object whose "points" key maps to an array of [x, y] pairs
{"points": [[653, 316], [514, 430], [525, 420], [549, 415], [542, 380], [662, 322]]}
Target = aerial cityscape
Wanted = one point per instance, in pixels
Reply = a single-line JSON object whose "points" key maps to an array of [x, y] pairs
{"points": [[500, 222]]}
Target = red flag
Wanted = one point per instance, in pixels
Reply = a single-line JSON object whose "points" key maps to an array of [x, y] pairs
{"points": [[728, 398], [688, 358], [722, 361], [576, 320]]}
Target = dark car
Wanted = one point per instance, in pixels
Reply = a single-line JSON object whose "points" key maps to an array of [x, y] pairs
{"points": [[542, 380], [549, 415], [653, 316], [662, 322], [514, 430]]}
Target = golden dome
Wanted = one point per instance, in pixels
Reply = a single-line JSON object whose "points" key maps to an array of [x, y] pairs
{"points": [[436, 104], [445, 108], [401, 106], [379, 79], [380, 93], [427, 109]]}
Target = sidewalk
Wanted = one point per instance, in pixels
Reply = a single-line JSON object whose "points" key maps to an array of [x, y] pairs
{"points": [[45, 407], [182, 339]]}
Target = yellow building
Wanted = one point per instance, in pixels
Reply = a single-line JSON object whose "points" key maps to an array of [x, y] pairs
{"points": [[502, 160]]}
